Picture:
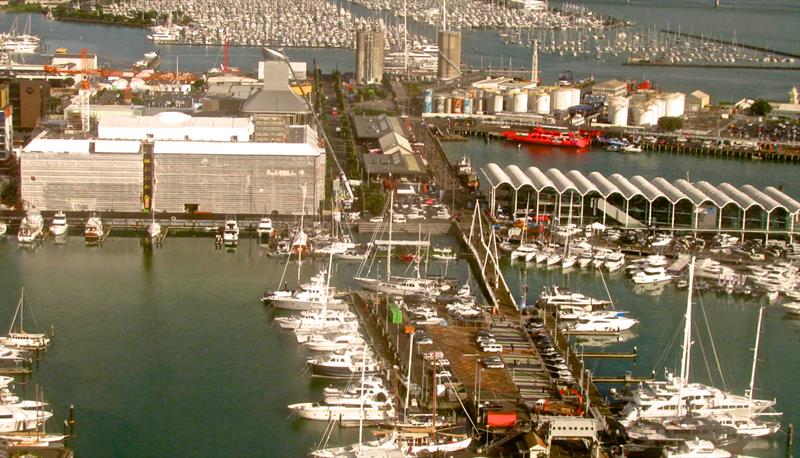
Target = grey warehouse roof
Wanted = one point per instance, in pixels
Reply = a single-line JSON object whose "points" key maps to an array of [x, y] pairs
{"points": [[698, 193]]}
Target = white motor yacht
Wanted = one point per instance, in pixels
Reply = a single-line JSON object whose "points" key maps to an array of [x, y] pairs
{"points": [[444, 254], [322, 320], [585, 259], [599, 257], [614, 261], [793, 308], [371, 390], [602, 323], [59, 225], [31, 227], [93, 231], [557, 295], [371, 412], [13, 418], [339, 342], [344, 366], [317, 295], [3, 228], [264, 228], [569, 261], [696, 449], [651, 275], [230, 233]]}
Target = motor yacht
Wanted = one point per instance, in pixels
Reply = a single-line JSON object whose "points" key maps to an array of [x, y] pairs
{"points": [[324, 319], [558, 295], [793, 308], [264, 229], [93, 231], [59, 225], [370, 412], [31, 227], [696, 449], [14, 418], [585, 259], [651, 275], [614, 261], [602, 323], [317, 295], [230, 233], [444, 254], [344, 366], [338, 342]]}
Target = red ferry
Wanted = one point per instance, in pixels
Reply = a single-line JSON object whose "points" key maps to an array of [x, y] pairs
{"points": [[542, 136]]}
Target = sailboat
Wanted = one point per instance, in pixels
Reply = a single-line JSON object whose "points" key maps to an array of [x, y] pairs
{"points": [[153, 229], [676, 396], [19, 338]]}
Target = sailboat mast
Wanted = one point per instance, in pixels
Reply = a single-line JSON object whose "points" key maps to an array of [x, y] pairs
{"points": [[755, 360], [21, 308], [361, 413], [389, 251], [686, 357]]}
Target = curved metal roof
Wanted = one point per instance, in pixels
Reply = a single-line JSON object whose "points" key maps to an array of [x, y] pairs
{"points": [[698, 193], [695, 195], [496, 175], [673, 194], [539, 179], [719, 198], [518, 177], [742, 200], [584, 185], [649, 191], [627, 188], [563, 184], [791, 205], [605, 187], [767, 203]]}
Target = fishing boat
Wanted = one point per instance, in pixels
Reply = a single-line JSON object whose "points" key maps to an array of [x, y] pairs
{"points": [[59, 226], [17, 337], [230, 233], [93, 231], [550, 137], [31, 227]]}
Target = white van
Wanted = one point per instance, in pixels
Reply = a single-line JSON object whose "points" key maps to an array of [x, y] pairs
{"points": [[492, 348]]}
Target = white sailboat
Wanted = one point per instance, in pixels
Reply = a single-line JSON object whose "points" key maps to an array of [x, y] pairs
{"points": [[17, 337], [676, 395]]}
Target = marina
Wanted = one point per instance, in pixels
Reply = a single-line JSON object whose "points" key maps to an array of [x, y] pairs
{"points": [[219, 283]]}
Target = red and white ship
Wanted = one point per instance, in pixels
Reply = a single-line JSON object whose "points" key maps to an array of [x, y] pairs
{"points": [[552, 137]]}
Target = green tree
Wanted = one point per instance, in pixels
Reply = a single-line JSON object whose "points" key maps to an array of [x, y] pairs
{"points": [[760, 108], [374, 199], [670, 123]]}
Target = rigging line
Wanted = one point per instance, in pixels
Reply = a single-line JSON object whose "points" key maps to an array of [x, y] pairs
{"points": [[669, 347], [285, 267], [713, 346], [703, 353]]}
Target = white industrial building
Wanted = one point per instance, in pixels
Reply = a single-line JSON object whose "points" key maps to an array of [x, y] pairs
{"points": [[187, 164], [697, 100]]}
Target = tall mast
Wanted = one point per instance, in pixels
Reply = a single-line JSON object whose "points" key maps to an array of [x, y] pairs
{"points": [[389, 251], [687, 338], [405, 36], [535, 62], [755, 359]]}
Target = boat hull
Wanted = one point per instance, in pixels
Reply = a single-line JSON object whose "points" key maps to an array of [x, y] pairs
{"points": [[337, 372], [285, 303]]}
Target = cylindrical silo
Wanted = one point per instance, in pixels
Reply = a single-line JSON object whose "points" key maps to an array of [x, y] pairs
{"points": [[542, 103], [458, 103], [574, 96], [660, 107], [448, 105], [497, 103], [564, 97], [468, 106], [521, 102], [439, 104], [427, 101], [645, 114], [479, 106], [508, 101], [676, 103], [618, 111]]}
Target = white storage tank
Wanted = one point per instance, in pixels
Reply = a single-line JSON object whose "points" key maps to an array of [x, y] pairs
{"points": [[675, 104], [645, 114], [479, 107], [618, 111], [542, 103], [448, 105], [564, 97], [497, 103], [661, 107], [521, 102]]}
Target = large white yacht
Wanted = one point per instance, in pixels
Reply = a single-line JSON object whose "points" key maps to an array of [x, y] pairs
{"points": [[31, 227], [264, 229], [230, 233], [344, 366], [651, 275], [324, 319], [558, 295], [602, 322], [93, 231], [696, 449], [59, 226], [370, 412]]}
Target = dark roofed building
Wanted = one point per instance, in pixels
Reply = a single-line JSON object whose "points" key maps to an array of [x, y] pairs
{"points": [[375, 127], [275, 107], [399, 165]]}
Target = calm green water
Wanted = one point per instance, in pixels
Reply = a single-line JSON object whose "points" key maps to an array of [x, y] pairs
{"points": [[169, 352]]}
